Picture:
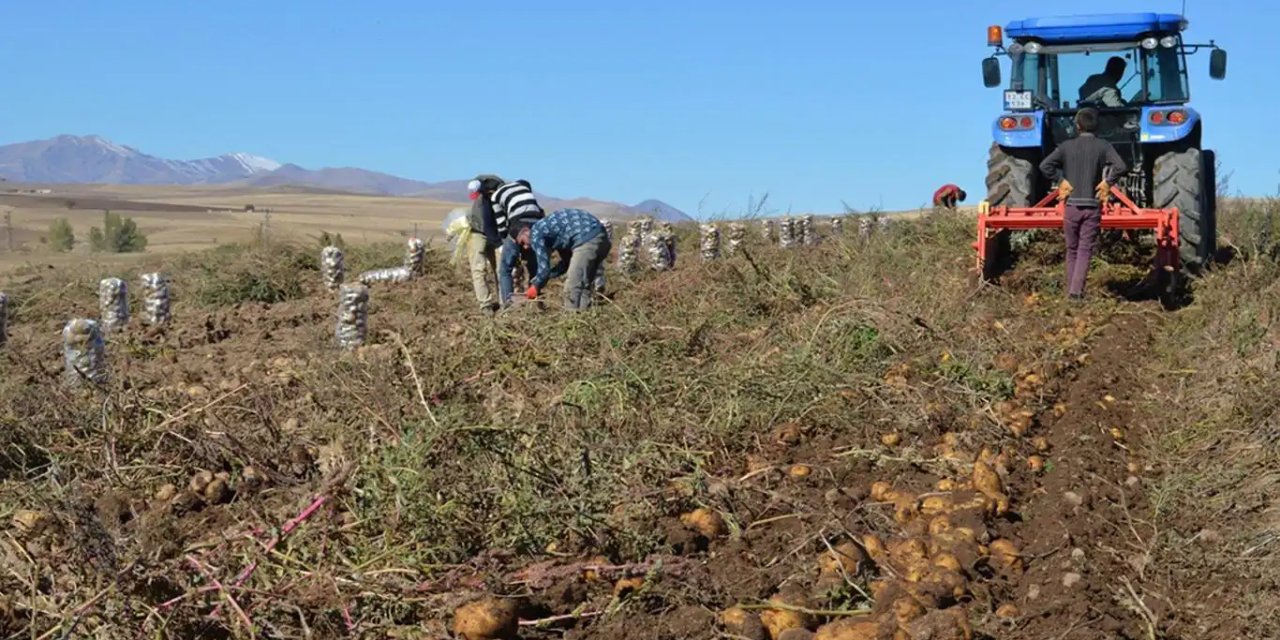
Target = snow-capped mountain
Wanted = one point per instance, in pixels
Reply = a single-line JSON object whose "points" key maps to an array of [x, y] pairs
{"points": [[94, 159]]}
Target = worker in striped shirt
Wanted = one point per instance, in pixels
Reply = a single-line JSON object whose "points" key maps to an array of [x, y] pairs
{"points": [[513, 202], [582, 243]]}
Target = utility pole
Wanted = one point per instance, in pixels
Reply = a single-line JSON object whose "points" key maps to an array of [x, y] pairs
{"points": [[8, 227], [415, 229]]}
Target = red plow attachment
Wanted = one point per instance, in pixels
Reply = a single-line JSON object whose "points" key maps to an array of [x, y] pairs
{"points": [[1119, 213]]}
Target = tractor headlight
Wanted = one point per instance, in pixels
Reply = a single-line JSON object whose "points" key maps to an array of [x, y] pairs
{"points": [[1150, 43], [1168, 42], [1033, 47], [1016, 48]]}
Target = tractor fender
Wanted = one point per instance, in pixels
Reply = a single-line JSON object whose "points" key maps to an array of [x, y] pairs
{"points": [[1163, 133], [1019, 138]]}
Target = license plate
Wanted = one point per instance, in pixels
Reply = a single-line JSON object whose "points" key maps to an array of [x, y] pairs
{"points": [[1017, 100]]}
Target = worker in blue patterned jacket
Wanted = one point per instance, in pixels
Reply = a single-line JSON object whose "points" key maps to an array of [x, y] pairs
{"points": [[580, 240]]}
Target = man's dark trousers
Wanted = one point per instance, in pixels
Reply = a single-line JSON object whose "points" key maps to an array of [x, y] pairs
{"points": [[1081, 225]]}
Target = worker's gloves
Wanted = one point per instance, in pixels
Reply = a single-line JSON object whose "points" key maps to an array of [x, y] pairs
{"points": [[531, 293], [1104, 192], [1064, 190]]}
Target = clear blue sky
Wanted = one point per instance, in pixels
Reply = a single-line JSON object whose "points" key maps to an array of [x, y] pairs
{"points": [[708, 102]]}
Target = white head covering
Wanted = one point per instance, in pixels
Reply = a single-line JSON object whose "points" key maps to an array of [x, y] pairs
{"points": [[473, 186]]}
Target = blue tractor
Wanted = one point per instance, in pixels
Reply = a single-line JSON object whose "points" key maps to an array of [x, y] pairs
{"points": [[1132, 67]]}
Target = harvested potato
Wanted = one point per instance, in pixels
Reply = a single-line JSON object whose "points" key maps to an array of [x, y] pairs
{"points": [[200, 481], [1035, 464], [1019, 427], [947, 560], [165, 493], [891, 439], [908, 551], [933, 506], [1059, 410], [591, 574], [487, 619], [742, 623], [842, 559], [706, 522], [905, 507], [1005, 556], [940, 525], [986, 480], [778, 621], [957, 544], [946, 485], [800, 471], [789, 434], [1041, 444], [1117, 434], [875, 548], [217, 491], [30, 523], [880, 491], [1008, 611], [627, 586], [850, 629]]}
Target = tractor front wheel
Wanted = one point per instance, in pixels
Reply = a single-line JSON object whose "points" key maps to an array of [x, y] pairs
{"points": [[1185, 180]]}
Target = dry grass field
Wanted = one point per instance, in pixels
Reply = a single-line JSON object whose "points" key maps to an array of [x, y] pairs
{"points": [[844, 439], [179, 219]]}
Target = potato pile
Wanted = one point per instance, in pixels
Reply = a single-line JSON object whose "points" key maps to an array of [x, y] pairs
{"points": [[922, 574]]}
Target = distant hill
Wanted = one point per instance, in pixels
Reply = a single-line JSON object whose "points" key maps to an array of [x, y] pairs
{"points": [[340, 179], [92, 159], [68, 159]]}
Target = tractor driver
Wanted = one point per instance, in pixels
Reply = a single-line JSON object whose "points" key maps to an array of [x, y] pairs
{"points": [[1104, 88]]}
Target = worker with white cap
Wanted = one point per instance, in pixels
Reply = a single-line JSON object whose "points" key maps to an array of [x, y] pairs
{"points": [[484, 240]]}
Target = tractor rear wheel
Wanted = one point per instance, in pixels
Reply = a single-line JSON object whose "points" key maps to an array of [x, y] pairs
{"points": [[1185, 180], [1011, 181]]}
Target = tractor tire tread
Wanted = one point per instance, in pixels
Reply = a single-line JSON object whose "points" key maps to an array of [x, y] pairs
{"points": [[1178, 181]]}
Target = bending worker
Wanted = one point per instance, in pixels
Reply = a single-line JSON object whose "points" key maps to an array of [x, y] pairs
{"points": [[948, 196], [582, 243], [513, 202]]}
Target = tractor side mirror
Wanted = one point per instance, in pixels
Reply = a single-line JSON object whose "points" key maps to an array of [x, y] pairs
{"points": [[991, 72], [1218, 64]]}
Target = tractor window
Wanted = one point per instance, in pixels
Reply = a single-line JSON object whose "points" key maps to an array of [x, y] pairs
{"points": [[1080, 75], [1166, 75]]}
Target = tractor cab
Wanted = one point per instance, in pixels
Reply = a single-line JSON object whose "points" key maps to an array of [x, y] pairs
{"points": [[1131, 67]]}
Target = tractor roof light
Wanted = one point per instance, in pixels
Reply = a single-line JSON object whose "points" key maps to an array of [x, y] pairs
{"points": [[995, 35], [1150, 43], [1033, 47], [1169, 42], [1016, 48]]}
